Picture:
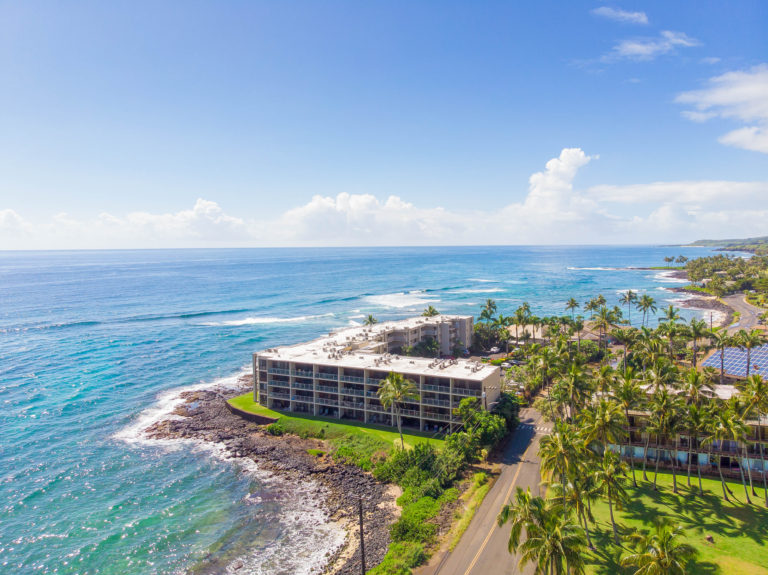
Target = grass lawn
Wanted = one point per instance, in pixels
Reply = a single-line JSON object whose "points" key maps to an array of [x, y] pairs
{"points": [[739, 530], [313, 426]]}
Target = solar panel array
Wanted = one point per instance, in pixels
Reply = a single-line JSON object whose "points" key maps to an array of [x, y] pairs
{"points": [[735, 361]]}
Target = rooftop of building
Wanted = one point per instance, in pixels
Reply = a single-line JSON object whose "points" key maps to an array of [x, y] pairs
{"points": [[362, 347]]}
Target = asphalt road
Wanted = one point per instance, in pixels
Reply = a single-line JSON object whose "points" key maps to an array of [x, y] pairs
{"points": [[483, 548], [748, 314]]}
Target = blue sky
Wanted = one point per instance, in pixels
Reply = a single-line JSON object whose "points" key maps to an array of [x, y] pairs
{"points": [[354, 123]]}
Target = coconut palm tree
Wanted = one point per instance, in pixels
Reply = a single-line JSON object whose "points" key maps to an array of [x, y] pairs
{"points": [[554, 544], [721, 340], [755, 394], [575, 388], [430, 311], [628, 394], [394, 390], [522, 510], [370, 320], [627, 338], [610, 477], [749, 341], [697, 420], [603, 424], [697, 330], [723, 427], [628, 298], [660, 552], [664, 406], [572, 305], [646, 304], [561, 452]]}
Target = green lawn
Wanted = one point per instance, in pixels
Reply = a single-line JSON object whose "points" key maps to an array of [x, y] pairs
{"points": [[739, 530], [313, 426]]}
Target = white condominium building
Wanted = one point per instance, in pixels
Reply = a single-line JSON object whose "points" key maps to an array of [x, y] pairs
{"points": [[338, 375]]}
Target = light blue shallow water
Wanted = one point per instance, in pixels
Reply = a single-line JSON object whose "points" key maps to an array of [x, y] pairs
{"points": [[93, 343]]}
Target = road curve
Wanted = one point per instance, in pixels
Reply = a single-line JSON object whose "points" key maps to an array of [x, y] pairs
{"points": [[483, 548], [748, 314]]}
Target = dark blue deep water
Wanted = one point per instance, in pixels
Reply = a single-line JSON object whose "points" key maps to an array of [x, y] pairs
{"points": [[93, 345]]}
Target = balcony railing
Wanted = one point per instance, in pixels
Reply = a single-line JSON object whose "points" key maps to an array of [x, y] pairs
{"points": [[274, 383], [352, 391], [353, 404], [279, 396], [466, 392], [302, 399], [329, 376], [377, 408], [352, 379], [324, 401], [302, 373], [278, 371], [327, 389], [410, 412], [439, 417], [373, 381], [439, 402], [303, 386], [437, 388]]}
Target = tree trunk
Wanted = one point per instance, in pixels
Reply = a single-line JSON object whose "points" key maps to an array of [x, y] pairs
{"points": [[656, 469], [400, 426], [749, 351], [631, 448], [743, 482], [674, 476], [762, 456], [695, 352], [645, 456], [613, 523], [690, 455], [586, 529], [720, 470], [698, 470], [722, 365]]}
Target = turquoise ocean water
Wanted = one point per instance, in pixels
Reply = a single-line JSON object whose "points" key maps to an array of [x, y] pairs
{"points": [[95, 345]]}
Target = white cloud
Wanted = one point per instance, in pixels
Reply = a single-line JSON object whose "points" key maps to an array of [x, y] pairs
{"points": [[741, 96], [620, 15], [643, 49], [710, 60], [553, 211]]}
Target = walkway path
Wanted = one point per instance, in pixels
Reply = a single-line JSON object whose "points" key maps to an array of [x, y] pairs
{"points": [[483, 548], [748, 314]]}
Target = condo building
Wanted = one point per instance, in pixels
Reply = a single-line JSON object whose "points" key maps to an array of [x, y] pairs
{"points": [[338, 375]]}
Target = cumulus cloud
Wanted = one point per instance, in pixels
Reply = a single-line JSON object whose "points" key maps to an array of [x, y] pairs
{"points": [[740, 96], [619, 15], [650, 48], [553, 210]]}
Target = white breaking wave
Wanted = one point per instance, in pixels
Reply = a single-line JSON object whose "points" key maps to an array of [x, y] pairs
{"points": [[266, 320], [597, 269], [482, 281], [479, 290], [402, 299], [666, 277], [309, 536]]}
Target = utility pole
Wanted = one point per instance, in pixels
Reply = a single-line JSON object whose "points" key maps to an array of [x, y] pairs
{"points": [[711, 314], [362, 539]]}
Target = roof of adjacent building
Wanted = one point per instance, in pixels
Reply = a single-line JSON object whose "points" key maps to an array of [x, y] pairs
{"points": [[363, 347]]}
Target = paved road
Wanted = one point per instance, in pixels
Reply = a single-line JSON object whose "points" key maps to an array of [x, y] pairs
{"points": [[483, 548], [748, 314]]}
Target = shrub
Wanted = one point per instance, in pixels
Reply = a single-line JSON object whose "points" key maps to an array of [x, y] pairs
{"points": [[276, 428], [400, 558], [361, 450], [413, 523]]}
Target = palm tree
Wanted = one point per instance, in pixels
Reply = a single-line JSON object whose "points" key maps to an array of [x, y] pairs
{"points": [[664, 406], [646, 304], [578, 326], [756, 395], [627, 338], [750, 340], [697, 330], [603, 424], [721, 429], [628, 298], [610, 477], [554, 544], [393, 391], [370, 320], [575, 387], [721, 341], [628, 393], [572, 305], [560, 452], [697, 420], [660, 552], [521, 511], [490, 307], [520, 319], [696, 386], [501, 325], [430, 311]]}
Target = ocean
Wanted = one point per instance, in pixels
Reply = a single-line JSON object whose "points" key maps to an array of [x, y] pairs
{"points": [[95, 345]]}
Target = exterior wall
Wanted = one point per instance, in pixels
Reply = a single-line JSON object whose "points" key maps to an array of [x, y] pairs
{"points": [[677, 448], [345, 393]]}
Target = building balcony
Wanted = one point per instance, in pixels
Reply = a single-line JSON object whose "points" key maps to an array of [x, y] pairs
{"points": [[352, 379], [324, 401], [466, 392], [328, 376], [377, 408], [275, 395], [351, 391], [307, 386], [438, 402], [278, 371], [327, 389], [353, 404], [274, 383], [410, 412], [302, 373], [436, 388]]}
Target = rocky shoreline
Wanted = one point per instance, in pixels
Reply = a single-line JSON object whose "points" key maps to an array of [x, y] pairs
{"points": [[204, 417]]}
